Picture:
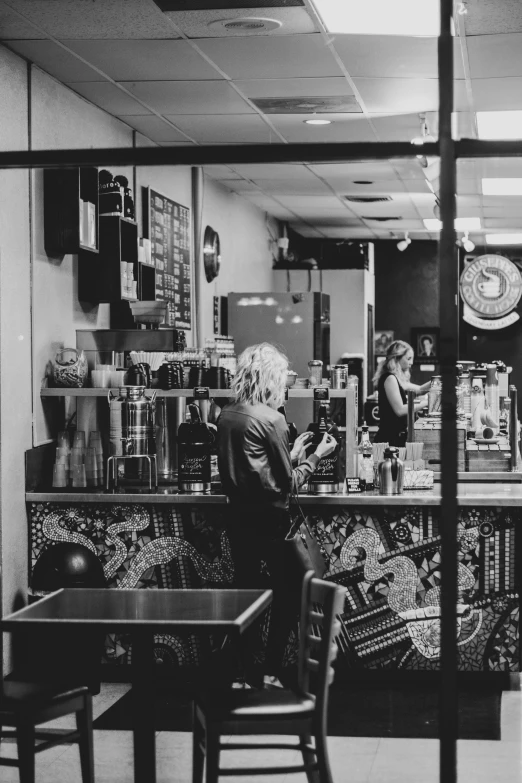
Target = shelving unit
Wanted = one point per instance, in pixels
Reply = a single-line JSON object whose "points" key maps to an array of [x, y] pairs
{"points": [[64, 191], [89, 392], [100, 280]]}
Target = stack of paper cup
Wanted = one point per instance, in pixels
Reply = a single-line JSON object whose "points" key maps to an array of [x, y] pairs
{"points": [[62, 465], [94, 459]]}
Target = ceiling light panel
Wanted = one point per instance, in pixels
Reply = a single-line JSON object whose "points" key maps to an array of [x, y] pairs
{"points": [[504, 239], [461, 224], [499, 124], [380, 17], [502, 186], [308, 105]]}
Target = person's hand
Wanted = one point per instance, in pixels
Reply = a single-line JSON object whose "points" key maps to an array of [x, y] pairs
{"points": [[299, 446], [326, 446]]}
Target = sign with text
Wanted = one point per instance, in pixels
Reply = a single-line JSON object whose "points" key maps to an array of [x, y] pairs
{"points": [[169, 233], [490, 287]]}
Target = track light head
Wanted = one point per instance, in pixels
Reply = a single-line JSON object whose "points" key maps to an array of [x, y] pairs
{"points": [[403, 244], [467, 244]]}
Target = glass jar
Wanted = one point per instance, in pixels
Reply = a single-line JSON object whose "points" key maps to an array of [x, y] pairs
{"points": [[435, 396], [315, 372]]}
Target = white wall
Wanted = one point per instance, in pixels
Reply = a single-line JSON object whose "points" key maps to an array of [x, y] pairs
{"points": [[15, 336]]}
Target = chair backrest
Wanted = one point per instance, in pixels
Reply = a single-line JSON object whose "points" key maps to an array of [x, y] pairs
{"points": [[321, 602]]}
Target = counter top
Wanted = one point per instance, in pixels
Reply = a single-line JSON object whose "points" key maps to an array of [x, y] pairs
{"points": [[475, 494]]}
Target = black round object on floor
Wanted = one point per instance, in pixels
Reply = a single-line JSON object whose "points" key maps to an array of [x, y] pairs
{"points": [[67, 565]]}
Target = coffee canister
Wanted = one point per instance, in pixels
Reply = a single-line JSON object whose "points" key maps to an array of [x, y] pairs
{"points": [[315, 372], [338, 376]]}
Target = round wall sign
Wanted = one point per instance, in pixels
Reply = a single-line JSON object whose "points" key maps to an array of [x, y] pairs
{"points": [[491, 286]]}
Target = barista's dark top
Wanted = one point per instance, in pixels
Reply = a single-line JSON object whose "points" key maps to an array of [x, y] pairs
{"points": [[254, 456], [392, 428]]}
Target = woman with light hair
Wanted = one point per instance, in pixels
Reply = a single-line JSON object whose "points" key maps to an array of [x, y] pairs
{"points": [[393, 381], [255, 465]]}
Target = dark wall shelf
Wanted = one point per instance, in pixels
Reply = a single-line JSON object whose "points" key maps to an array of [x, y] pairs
{"points": [[65, 192], [100, 277]]}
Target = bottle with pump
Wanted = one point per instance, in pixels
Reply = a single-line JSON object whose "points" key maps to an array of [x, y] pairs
{"points": [[325, 479], [365, 459], [195, 439]]}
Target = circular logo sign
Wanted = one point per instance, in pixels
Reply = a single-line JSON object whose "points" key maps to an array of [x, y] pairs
{"points": [[491, 286]]}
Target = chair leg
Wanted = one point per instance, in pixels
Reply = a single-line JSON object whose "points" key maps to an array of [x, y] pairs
{"points": [[309, 757], [325, 773], [85, 742], [198, 753], [212, 743], [25, 741]]}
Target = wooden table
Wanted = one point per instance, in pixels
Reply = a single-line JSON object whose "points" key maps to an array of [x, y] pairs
{"points": [[143, 613]]}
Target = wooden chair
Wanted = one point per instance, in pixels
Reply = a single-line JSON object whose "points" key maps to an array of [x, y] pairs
{"points": [[25, 705], [302, 712]]}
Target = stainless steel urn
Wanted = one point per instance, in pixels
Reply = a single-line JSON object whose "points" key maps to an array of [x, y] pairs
{"points": [[131, 431], [391, 473]]}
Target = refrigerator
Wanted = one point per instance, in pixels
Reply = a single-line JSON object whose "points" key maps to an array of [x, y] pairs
{"points": [[297, 323]]}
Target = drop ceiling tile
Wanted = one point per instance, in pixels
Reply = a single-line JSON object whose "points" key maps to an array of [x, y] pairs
{"points": [[511, 223], [408, 168], [272, 58], [108, 19], [469, 202], [202, 97], [305, 230], [242, 185], [497, 94], [396, 127], [314, 187], [176, 144], [308, 201], [109, 97], [154, 128], [54, 60], [343, 128], [500, 167], [502, 207], [495, 55], [199, 24], [294, 88], [363, 170], [145, 60], [414, 186], [467, 187], [220, 172], [14, 28], [405, 95], [390, 56], [230, 129], [486, 17], [279, 171], [334, 232], [395, 207]]}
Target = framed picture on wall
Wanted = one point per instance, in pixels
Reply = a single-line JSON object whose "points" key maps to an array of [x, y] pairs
{"points": [[425, 343], [382, 342]]}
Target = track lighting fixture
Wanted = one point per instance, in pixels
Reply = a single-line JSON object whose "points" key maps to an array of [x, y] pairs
{"points": [[403, 244], [467, 244]]}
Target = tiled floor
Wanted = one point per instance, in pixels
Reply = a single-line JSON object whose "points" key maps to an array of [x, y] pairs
{"points": [[354, 760]]}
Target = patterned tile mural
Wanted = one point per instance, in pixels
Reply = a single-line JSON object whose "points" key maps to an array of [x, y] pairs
{"points": [[388, 559]]}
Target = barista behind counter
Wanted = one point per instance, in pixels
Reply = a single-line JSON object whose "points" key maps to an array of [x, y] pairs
{"points": [[393, 383]]}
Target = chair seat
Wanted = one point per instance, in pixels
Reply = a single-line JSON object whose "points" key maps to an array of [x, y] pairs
{"points": [[19, 697], [254, 704]]}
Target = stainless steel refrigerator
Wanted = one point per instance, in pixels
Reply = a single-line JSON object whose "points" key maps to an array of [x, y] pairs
{"points": [[297, 323]]}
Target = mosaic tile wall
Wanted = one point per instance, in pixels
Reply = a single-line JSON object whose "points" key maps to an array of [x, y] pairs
{"points": [[389, 560]]}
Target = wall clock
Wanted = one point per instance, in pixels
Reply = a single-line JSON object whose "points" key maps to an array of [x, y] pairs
{"points": [[211, 254]]}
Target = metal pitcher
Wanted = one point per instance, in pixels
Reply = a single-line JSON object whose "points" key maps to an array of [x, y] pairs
{"points": [[391, 473]]}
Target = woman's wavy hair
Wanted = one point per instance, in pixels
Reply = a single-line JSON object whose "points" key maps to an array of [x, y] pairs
{"points": [[261, 376], [394, 354]]}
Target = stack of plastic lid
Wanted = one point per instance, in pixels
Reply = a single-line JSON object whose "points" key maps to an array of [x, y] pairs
{"points": [[170, 375]]}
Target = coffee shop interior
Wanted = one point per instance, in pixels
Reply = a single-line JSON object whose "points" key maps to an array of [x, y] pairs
{"points": [[181, 179]]}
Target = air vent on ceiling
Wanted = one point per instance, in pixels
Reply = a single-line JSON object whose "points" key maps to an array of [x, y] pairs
{"points": [[367, 199], [248, 24], [380, 219]]}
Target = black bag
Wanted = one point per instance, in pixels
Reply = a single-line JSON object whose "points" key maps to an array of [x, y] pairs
{"points": [[302, 550]]}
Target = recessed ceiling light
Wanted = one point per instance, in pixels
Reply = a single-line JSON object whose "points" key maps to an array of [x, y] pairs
{"points": [[502, 186], [380, 17], [499, 124], [504, 239], [318, 122], [461, 224]]}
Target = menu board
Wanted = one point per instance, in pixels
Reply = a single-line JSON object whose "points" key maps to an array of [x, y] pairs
{"points": [[169, 230]]}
